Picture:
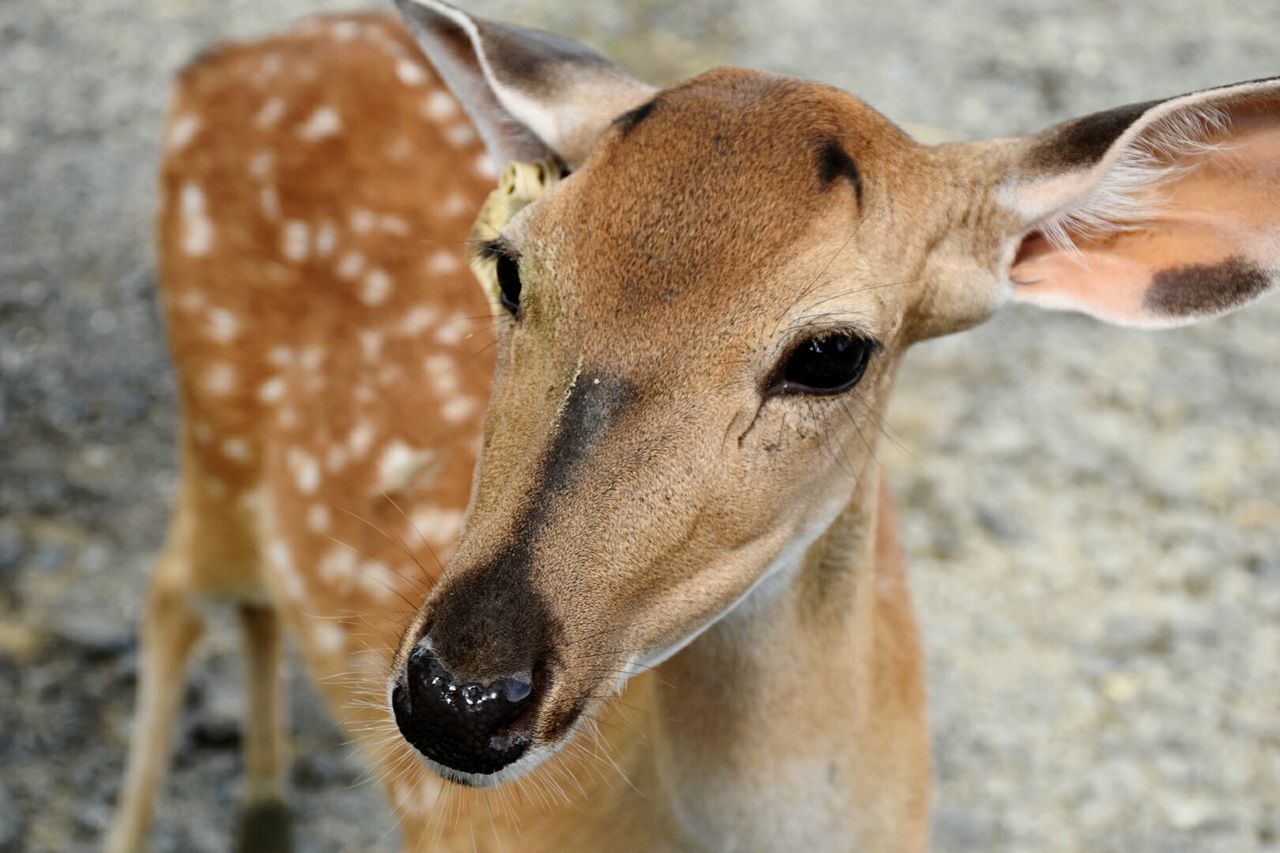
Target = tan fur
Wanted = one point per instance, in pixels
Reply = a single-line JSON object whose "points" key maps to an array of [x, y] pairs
{"points": [[334, 359]]}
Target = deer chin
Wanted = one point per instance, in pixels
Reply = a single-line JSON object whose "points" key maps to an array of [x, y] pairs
{"points": [[525, 764]]}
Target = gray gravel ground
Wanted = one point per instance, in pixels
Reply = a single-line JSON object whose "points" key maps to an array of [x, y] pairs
{"points": [[1093, 516]]}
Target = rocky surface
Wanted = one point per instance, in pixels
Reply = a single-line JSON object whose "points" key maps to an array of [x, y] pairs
{"points": [[1092, 515]]}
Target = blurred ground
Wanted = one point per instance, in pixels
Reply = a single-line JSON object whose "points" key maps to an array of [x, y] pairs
{"points": [[1092, 516]]}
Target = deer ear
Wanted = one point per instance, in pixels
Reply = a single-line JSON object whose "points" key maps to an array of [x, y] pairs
{"points": [[532, 95], [1157, 214]]}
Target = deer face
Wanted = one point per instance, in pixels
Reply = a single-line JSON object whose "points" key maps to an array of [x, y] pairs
{"points": [[697, 333], [686, 385]]}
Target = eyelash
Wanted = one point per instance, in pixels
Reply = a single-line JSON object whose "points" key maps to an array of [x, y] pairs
{"points": [[823, 364], [506, 273]]}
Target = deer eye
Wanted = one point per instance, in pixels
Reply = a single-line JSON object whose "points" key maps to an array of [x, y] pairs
{"points": [[824, 364], [509, 283]]}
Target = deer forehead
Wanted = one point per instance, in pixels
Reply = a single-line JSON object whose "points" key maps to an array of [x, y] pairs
{"points": [[719, 193]]}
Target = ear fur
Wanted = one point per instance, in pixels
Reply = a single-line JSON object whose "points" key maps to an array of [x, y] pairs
{"points": [[1150, 215], [532, 95]]}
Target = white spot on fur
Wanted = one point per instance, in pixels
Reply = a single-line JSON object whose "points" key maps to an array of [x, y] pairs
{"points": [[182, 131], [270, 113], [377, 580], [360, 439], [370, 344], [271, 391], [312, 358], [459, 135], [272, 64], [295, 240], [362, 220], [282, 561], [418, 796], [443, 262], [439, 106], [364, 394], [443, 374], [328, 638], [350, 264], [280, 356], [485, 167], [458, 409], [260, 164], [326, 238], [345, 30], [335, 459], [454, 330], [399, 464], [223, 325], [418, 320], [376, 287], [220, 379], [305, 469], [269, 201], [197, 230], [237, 450], [193, 300], [400, 149], [410, 73], [321, 124], [457, 204], [436, 524], [393, 225], [318, 518], [338, 567], [390, 375]]}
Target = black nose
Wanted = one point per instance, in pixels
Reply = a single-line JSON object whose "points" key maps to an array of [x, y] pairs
{"points": [[472, 727]]}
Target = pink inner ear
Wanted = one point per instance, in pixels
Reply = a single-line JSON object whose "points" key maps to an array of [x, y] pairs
{"points": [[1211, 243]]}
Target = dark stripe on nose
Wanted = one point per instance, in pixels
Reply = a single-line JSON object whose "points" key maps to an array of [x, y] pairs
{"points": [[492, 620], [593, 404]]}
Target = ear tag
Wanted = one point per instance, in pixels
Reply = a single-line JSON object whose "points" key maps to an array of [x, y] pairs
{"points": [[520, 185]]}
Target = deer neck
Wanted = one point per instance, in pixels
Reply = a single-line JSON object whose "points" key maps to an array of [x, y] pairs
{"points": [[762, 732]]}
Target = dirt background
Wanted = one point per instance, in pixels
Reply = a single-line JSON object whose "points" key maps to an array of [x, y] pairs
{"points": [[1093, 516]]}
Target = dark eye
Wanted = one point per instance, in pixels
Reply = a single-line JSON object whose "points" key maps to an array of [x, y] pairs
{"points": [[824, 364], [509, 283]]}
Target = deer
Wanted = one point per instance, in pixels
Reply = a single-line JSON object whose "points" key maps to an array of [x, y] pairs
{"points": [[598, 554]]}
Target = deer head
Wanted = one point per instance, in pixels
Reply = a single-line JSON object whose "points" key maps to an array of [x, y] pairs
{"points": [[701, 300]]}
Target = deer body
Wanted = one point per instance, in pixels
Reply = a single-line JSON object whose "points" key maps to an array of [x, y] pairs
{"points": [[650, 491], [328, 445]]}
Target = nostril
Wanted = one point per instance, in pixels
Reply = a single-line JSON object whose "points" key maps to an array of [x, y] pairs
{"points": [[515, 689], [473, 727], [471, 697]]}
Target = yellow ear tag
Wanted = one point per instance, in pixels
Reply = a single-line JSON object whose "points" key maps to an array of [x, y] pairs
{"points": [[520, 185]]}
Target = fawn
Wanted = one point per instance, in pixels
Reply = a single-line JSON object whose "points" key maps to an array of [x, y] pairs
{"points": [[693, 303]]}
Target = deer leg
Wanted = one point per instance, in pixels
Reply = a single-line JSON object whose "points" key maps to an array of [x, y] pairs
{"points": [[170, 628], [265, 823]]}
